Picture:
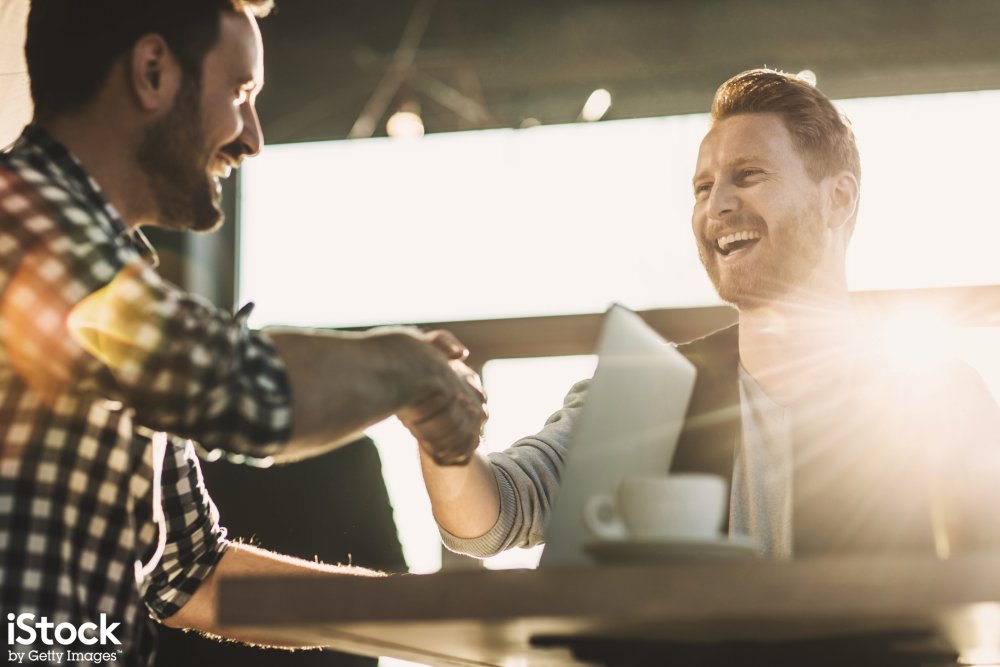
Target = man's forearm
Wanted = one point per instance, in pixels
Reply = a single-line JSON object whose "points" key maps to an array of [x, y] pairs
{"points": [[343, 383], [465, 499], [201, 611]]}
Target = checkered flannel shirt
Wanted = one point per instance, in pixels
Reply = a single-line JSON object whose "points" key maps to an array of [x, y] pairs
{"points": [[97, 354]]}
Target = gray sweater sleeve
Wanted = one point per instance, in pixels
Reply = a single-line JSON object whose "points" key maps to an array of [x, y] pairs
{"points": [[527, 476]]}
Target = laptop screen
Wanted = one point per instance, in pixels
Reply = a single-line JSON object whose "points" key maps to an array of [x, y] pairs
{"points": [[631, 420]]}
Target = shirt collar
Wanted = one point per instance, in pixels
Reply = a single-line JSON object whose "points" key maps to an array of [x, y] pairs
{"points": [[67, 169]]}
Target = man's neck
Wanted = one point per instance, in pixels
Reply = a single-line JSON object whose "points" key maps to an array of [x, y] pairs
{"points": [[797, 345], [105, 148]]}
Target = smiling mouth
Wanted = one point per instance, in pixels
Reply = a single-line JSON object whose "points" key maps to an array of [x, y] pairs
{"points": [[222, 167], [736, 241]]}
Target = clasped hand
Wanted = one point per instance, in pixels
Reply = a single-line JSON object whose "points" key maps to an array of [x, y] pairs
{"points": [[448, 421]]}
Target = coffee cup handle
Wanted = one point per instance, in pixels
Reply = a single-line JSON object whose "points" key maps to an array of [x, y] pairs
{"points": [[601, 518]]}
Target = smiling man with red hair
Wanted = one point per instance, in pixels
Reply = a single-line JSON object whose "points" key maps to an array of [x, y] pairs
{"points": [[825, 446]]}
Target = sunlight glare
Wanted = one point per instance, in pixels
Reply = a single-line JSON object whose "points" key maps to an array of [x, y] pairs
{"points": [[916, 340], [976, 634]]}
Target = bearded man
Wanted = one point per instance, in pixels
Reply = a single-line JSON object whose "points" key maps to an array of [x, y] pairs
{"points": [[826, 448], [107, 372]]}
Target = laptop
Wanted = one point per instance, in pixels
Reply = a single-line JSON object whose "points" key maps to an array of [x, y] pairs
{"points": [[630, 423]]}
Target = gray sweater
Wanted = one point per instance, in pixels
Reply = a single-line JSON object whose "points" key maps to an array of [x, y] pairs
{"points": [[527, 477]]}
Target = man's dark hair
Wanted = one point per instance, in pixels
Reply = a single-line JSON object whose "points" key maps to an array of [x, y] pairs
{"points": [[822, 135], [72, 44]]}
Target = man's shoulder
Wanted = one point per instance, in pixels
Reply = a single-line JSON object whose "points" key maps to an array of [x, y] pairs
{"points": [[952, 386], [35, 204], [15, 167], [25, 184], [25, 199], [23, 159], [719, 348]]}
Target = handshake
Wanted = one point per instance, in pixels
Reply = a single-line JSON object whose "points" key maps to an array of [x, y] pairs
{"points": [[343, 382], [449, 411]]}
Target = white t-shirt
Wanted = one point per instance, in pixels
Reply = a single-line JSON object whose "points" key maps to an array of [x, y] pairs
{"points": [[761, 502]]}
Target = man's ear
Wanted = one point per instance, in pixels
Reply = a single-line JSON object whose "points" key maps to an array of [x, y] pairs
{"points": [[843, 195], [154, 73]]}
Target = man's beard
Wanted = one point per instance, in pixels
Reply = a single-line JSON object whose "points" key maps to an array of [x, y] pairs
{"points": [[171, 154], [791, 253]]}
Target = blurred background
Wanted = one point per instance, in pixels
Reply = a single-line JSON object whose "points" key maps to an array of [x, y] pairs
{"points": [[507, 170]]}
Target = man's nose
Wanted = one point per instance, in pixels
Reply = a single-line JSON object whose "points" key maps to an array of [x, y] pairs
{"points": [[722, 200], [251, 139]]}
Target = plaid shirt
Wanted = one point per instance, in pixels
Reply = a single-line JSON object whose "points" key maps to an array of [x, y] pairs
{"points": [[99, 358]]}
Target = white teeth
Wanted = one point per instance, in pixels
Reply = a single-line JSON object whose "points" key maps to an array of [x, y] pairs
{"points": [[747, 235]]}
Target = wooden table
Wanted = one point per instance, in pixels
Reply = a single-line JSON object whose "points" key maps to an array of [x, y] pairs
{"points": [[878, 610]]}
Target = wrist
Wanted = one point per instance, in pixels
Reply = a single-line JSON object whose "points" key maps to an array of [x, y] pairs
{"points": [[412, 366]]}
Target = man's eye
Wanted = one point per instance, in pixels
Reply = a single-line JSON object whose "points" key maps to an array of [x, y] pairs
{"points": [[702, 188], [750, 172]]}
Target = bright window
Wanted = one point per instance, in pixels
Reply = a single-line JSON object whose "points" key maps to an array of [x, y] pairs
{"points": [[566, 219]]}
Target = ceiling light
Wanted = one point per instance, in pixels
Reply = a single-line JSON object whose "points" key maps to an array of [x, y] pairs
{"points": [[405, 125], [596, 106]]}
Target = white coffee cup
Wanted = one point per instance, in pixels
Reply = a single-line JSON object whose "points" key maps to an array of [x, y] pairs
{"points": [[660, 507]]}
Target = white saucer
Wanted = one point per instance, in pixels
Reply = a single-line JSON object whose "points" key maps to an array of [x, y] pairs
{"points": [[633, 550]]}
